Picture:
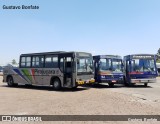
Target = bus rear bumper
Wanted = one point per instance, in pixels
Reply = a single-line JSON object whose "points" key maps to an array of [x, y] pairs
{"points": [[147, 80]]}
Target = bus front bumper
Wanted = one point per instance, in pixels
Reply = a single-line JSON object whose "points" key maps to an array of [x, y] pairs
{"points": [[113, 80], [147, 80], [91, 81]]}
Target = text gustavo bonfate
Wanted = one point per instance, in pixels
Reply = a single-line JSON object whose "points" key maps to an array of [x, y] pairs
{"points": [[20, 7]]}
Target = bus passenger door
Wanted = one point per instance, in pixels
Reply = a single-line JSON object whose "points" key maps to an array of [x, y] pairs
{"points": [[66, 66]]}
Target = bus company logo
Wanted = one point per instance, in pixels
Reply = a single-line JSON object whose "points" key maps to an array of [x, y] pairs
{"points": [[6, 118], [44, 72], [57, 72]]}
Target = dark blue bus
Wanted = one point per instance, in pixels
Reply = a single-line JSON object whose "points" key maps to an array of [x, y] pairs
{"points": [[140, 69], [108, 69]]}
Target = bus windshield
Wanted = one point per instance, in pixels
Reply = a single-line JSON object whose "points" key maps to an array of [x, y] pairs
{"points": [[117, 65], [143, 65], [111, 65], [85, 65]]}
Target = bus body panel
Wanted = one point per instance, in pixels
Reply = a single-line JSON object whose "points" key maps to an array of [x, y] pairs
{"points": [[110, 78], [108, 75], [140, 68], [66, 69]]}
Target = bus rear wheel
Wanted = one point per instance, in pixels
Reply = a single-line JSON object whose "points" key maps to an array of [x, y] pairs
{"points": [[56, 84], [10, 82], [146, 84]]}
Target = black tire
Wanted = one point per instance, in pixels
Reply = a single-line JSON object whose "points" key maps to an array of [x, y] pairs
{"points": [[28, 85], [74, 88], [126, 84], [95, 84], [56, 84], [111, 85], [145, 84], [10, 82]]}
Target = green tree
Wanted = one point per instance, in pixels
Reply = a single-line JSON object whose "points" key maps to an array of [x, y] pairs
{"points": [[158, 52], [14, 62], [158, 56]]}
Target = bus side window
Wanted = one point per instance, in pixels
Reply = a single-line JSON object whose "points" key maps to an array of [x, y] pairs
{"points": [[38, 61], [48, 61], [22, 64], [25, 62], [55, 62], [41, 62], [61, 64], [51, 62], [28, 61]]}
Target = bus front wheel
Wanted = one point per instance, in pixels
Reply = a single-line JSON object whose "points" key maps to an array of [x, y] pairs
{"points": [[56, 84], [111, 85]]}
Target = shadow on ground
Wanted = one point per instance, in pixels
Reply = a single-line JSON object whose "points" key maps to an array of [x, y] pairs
{"points": [[32, 87], [101, 86], [138, 86]]}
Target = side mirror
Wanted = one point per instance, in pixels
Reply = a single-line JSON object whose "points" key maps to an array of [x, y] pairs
{"points": [[99, 62], [77, 61], [122, 64]]}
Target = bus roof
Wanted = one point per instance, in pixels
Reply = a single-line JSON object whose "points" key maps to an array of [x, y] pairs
{"points": [[55, 52], [107, 56]]}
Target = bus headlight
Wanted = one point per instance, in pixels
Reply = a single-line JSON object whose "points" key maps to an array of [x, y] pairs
{"points": [[121, 77], [103, 76], [92, 80]]}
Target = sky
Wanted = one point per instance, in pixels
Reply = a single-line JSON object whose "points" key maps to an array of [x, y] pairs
{"points": [[118, 27]]}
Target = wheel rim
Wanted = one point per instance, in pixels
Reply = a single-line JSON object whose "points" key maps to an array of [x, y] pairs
{"points": [[56, 83], [10, 81]]}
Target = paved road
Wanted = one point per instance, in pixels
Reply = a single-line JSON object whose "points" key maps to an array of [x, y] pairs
{"points": [[150, 93], [100, 100]]}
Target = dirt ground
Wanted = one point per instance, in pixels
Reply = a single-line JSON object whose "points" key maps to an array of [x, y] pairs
{"points": [[37, 100]]}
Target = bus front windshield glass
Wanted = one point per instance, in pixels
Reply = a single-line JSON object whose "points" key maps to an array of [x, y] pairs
{"points": [[117, 65], [143, 65], [85, 65], [114, 65], [105, 65]]}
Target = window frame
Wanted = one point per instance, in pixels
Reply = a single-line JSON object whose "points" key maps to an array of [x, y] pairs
{"points": [[52, 61], [25, 62], [42, 56]]}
